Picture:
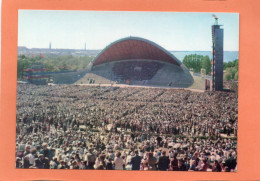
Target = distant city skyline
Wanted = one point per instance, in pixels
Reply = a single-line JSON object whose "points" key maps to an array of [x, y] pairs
{"points": [[97, 29]]}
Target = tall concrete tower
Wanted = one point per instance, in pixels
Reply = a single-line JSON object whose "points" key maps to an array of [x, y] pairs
{"points": [[85, 48], [50, 45], [217, 56]]}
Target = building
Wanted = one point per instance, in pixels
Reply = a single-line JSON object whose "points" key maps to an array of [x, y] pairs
{"points": [[36, 74], [138, 61]]}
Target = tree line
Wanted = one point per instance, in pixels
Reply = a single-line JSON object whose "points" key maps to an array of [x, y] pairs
{"points": [[198, 62], [53, 64], [69, 62], [231, 70]]}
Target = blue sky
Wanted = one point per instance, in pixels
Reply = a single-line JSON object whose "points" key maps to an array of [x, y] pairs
{"points": [[171, 30]]}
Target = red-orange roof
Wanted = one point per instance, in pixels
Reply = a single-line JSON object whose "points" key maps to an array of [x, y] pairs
{"points": [[134, 48]]}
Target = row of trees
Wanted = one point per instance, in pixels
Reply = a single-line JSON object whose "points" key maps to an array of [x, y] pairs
{"points": [[197, 62], [24, 62], [69, 62], [54, 64]]}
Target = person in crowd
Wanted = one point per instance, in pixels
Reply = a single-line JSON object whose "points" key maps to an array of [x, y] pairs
{"points": [[40, 162], [174, 162], [204, 166], [181, 165], [216, 167], [45, 151], [26, 162], [91, 158], [152, 161], [109, 165], [231, 162], [119, 162], [136, 161], [164, 162], [27, 150], [192, 165]]}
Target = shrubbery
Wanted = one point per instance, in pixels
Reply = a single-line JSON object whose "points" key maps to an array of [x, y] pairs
{"points": [[231, 70], [197, 62], [54, 64]]}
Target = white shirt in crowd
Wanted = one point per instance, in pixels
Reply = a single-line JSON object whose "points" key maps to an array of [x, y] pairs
{"points": [[119, 162]]}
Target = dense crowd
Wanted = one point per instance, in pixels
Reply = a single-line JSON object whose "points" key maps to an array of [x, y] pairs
{"points": [[130, 128], [136, 70]]}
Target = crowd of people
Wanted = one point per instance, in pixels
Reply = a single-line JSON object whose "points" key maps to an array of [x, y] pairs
{"points": [[136, 70], [130, 128]]}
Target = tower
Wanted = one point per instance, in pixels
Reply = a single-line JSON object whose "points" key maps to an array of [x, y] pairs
{"points": [[217, 56], [85, 47], [50, 45]]}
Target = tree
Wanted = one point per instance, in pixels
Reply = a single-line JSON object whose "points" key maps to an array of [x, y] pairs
{"points": [[231, 69], [23, 62], [228, 76], [53, 63], [206, 64], [230, 64], [197, 62]]}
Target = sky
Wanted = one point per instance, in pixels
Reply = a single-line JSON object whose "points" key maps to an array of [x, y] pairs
{"points": [[174, 31]]}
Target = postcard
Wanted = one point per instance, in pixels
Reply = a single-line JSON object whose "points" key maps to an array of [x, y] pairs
{"points": [[117, 94]]}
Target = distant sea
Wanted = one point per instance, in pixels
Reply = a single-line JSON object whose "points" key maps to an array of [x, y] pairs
{"points": [[228, 55]]}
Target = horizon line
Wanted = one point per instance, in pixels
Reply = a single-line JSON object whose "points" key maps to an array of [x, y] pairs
{"points": [[103, 48]]}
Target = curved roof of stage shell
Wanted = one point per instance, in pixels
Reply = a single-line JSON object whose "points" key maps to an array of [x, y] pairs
{"points": [[134, 48]]}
